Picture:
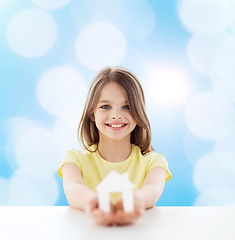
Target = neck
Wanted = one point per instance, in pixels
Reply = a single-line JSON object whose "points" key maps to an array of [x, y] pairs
{"points": [[114, 151]]}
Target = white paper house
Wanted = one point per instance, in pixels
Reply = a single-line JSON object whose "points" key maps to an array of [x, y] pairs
{"points": [[115, 183]]}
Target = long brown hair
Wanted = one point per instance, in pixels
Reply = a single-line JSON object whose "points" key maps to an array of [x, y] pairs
{"points": [[88, 133]]}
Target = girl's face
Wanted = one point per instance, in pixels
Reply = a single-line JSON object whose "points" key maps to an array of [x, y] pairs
{"points": [[112, 115]]}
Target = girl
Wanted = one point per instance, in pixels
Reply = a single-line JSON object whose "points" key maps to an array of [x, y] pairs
{"points": [[116, 135]]}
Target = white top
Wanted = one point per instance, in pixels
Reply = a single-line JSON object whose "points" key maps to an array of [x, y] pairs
{"points": [[49, 223]]}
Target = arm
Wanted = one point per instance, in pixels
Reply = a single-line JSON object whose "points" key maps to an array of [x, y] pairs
{"points": [[77, 194], [81, 197], [152, 187], [145, 197]]}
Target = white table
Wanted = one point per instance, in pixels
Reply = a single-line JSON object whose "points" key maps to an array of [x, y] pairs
{"points": [[48, 223]]}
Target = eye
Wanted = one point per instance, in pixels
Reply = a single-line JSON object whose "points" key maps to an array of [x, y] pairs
{"points": [[126, 107], [105, 107]]}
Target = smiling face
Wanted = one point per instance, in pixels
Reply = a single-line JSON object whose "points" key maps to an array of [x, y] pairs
{"points": [[112, 116]]}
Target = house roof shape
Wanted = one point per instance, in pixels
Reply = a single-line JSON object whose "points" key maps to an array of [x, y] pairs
{"points": [[115, 182]]}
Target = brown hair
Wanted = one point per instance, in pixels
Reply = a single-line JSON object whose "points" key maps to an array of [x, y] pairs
{"points": [[88, 133]]}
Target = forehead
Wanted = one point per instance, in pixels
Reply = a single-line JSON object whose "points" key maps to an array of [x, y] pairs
{"points": [[111, 92]]}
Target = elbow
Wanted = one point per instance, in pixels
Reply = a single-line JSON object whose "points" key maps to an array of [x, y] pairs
{"points": [[70, 193], [73, 203], [69, 197], [156, 196]]}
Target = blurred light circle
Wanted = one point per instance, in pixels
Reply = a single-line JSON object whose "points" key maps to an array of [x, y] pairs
{"points": [[99, 45], [200, 16], [201, 50], [167, 86], [24, 193], [31, 192], [37, 147], [224, 69], [225, 151], [43, 181], [50, 4], [195, 147], [209, 115], [231, 28], [60, 89], [4, 190], [206, 172], [32, 172], [216, 196], [95, 11], [65, 130], [31, 33], [225, 85], [137, 20], [224, 59], [15, 126]]}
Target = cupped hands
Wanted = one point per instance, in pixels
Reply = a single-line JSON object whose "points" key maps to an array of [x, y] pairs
{"points": [[117, 215]]}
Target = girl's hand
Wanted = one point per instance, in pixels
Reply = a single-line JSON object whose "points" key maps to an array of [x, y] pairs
{"points": [[117, 216], [125, 218], [100, 217]]}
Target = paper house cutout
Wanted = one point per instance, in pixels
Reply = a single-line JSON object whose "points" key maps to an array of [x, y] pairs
{"points": [[115, 183]]}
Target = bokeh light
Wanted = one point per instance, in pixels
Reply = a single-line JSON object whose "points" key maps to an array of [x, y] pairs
{"points": [[225, 57], [209, 115], [202, 49], [195, 147], [31, 192], [60, 89], [16, 126], [224, 69], [50, 4], [4, 189], [214, 181], [32, 33], [218, 196], [95, 11], [29, 153], [206, 173], [167, 86], [225, 151], [208, 16], [99, 45], [65, 129], [138, 20]]}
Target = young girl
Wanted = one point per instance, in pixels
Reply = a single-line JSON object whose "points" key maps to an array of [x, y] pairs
{"points": [[116, 135]]}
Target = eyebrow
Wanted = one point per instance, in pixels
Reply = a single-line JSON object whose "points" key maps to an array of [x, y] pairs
{"points": [[107, 101]]}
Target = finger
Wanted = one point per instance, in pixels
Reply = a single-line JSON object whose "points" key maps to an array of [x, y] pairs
{"points": [[91, 206], [125, 218], [112, 207], [119, 204], [102, 218]]}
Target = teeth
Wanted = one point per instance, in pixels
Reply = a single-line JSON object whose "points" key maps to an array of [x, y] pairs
{"points": [[116, 126]]}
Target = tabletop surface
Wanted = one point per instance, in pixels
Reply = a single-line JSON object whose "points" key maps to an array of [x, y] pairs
{"points": [[64, 222]]}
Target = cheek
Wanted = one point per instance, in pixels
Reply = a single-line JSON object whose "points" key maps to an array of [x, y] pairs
{"points": [[99, 117], [131, 118]]}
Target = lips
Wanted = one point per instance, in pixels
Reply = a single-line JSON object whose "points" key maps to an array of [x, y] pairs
{"points": [[116, 125]]}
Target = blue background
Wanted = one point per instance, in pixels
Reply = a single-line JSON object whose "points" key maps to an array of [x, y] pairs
{"points": [[165, 45]]}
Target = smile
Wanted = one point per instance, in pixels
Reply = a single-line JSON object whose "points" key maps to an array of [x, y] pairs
{"points": [[116, 125]]}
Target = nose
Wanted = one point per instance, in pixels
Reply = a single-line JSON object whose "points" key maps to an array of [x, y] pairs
{"points": [[116, 114]]}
